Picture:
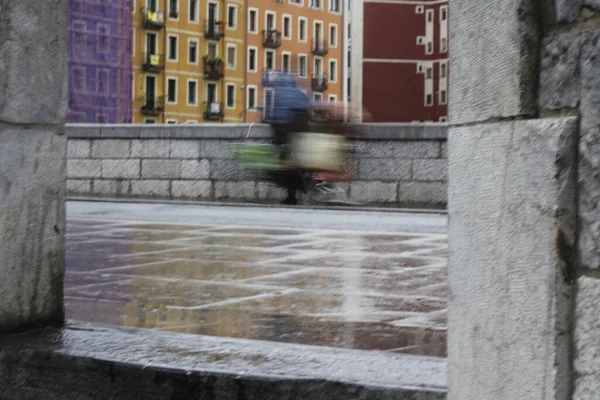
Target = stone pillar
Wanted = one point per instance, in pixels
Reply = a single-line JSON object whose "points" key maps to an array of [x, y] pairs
{"points": [[33, 100], [513, 164]]}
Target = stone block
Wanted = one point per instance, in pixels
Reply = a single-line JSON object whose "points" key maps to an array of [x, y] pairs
{"points": [[228, 170], [423, 192], [195, 169], [192, 189], [84, 168], [78, 148], [430, 170], [374, 192], [444, 149], [266, 191], [188, 149], [32, 216], [124, 131], [161, 169], [150, 188], [589, 152], [110, 148], [152, 148], [512, 230], [219, 149], [587, 339], [111, 187], [567, 10], [120, 169], [559, 83], [383, 169], [398, 148], [494, 59], [79, 186], [234, 190], [33, 71]]}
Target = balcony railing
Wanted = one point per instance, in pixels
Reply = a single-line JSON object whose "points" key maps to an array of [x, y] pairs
{"points": [[153, 19], [214, 68], [173, 14], [153, 63], [152, 106], [213, 111], [320, 47], [320, 83], [213, 29], [271, 38]]}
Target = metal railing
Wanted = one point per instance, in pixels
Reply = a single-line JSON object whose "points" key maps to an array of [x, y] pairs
{"points": [[152, 105], [213, 29], [214, 68], [153, 62], [320, 82], [153, 19], [320, 47], [213, 111], [271, 38]]}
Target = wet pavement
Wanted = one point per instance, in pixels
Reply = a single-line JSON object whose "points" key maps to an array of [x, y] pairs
{"points": [[362, 285]]}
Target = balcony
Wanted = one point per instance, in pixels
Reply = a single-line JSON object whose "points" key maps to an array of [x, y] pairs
{"points": [[320, 47], [271, 38], [213, 30], [213, 111], [214, 68], [320, 83], [152, 106], [153, 19], [153, 63]]}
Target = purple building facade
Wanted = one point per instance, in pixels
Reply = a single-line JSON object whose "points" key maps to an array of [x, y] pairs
{"points": [[100, 61]]}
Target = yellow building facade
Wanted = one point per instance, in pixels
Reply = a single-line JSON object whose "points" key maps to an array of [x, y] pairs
{"points": [[189, 61]]}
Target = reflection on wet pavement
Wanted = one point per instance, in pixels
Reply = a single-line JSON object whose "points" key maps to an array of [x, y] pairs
{"points": [[342, 289]]}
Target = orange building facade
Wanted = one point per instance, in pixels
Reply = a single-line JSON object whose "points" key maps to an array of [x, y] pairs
{"points": [[302, 36]]}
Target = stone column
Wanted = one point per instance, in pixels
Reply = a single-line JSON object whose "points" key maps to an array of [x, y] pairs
{"points": [[33, 100], [513, 164]]}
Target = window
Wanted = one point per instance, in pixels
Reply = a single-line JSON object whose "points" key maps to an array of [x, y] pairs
{"points": [[349, 59], [429, 73], [192, 92], [151, 5], [443, 13], [231, 16], [443, 97], [103, 38], [318, 66], [334, 5], [297, 2], [287, 27], [270, 21], [252, 59], [171, 121], [302, 66], [302, 29], [230, 96], [149, 121], [79, 28], [443, 119], [332, 98], [230, 56], [333, 70], [443, 71], [172, 90], [173, 9], [318, 33], [78, 78], [193, 52], [315, 4], [269, 59], [285, 61], [251, 97], [212, 50], [317, 96], [101, 118], [419, 9], [443, 45], [193, 10], [103, 83], [333, 35], [173, 48], [429, 100], [429, 47], [252, 20], [429, 15]]}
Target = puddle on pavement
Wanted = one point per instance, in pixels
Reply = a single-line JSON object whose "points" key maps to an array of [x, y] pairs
{"points": [[261, 284]]}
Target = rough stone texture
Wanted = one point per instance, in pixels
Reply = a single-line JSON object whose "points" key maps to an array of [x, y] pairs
{"points": [[121, 169], [185, 149], [423, 192], [164, 169], [84, 168], [229, 170], [384, 169], [400, 149], [589, 153], [32, 225], [511, 239], [494, 59], [560, 77], [234, 190], [150, 148], [79, 186], [79, 149], [570, 10], [374, 192], [430, 170], [33, 62], [587, 339], [158, 188], [106, 187], [215, 149], [195, 169], [192, 189], [110, 148], [266, 191]]}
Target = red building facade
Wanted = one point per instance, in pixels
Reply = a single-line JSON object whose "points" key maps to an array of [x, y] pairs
{"points": [[400, 59]]}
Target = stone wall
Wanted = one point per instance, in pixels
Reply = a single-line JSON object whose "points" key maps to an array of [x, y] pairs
{"points": [[396, 164]]}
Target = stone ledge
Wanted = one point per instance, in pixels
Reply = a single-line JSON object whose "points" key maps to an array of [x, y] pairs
{"points": [[87, 361], [375, 131]]}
